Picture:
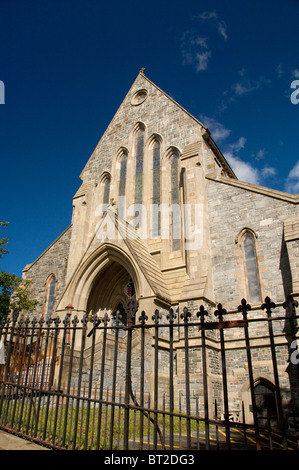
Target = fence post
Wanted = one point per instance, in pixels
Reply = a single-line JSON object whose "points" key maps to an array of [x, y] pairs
{"points": [[202, 313], [244, 308], [83, 338], [268, 306], [117, 318], [131, 309], [143, 318], [171, 317], [156, 317], [75, 322], [185, 316], [219, 313]]}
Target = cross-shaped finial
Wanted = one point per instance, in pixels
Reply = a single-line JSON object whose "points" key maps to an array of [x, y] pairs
{"points": [[143, 317], [185, 315], [142, 70], [171, 316], [220, 312], [156, 317], [268, 305], [244, 308], [202, 314]]}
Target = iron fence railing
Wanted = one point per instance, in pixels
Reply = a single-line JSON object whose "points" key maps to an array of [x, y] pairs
{"points": [[201, 379]]}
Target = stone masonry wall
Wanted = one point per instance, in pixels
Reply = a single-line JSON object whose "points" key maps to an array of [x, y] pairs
{"points": [[52, 261], [231, 209]]}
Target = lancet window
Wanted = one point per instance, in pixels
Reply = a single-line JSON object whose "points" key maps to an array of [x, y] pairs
{"points": [[251, 267], [156, 222], [50, 297], [175, 209]]}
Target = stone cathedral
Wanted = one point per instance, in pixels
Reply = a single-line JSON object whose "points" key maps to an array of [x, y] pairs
{"points": [[160, 215]]}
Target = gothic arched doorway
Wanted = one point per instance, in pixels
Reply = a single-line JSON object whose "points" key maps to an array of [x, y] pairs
{"points": [[111, 290], [265, 403]]}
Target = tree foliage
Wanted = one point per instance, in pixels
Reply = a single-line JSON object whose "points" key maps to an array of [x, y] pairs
{"points": [[14, 291]]}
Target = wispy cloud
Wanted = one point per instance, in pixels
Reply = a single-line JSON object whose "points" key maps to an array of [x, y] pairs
{"points": [[195, 46], [212, 16], [244, 170], [222, 30], [195, 50], [292, 182], [243, 86], [217, 129], [201, 60], [247, 85]]}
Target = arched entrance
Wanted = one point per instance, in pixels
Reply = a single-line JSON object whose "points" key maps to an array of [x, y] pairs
{"points": [[265, 403], [111, 290]]}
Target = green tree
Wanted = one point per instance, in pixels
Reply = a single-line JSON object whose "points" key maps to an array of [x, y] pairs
{"points": [[14, 291]]}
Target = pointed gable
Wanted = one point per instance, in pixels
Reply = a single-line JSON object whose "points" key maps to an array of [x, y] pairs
{"points": [[145, 102]]}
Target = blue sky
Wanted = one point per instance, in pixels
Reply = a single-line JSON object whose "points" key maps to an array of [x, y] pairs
{"points": [[67, 65]]}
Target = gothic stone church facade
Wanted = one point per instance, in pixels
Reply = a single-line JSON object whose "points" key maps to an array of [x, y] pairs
{"points": [[160, 211]]}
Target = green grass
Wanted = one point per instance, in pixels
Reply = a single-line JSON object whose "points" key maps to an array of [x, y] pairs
{"points": [[57, 426]]}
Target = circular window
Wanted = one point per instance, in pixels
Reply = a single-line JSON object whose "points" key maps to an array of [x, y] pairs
{"points": [[139, 97]]}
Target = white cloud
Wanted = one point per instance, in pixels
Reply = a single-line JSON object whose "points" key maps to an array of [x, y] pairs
{"points": [[194, 47], [237, 146], [220, 24], [247, 85], [292, 182], [259, 155], [201, 60], [218, 130], [195, 50], [207, 15], [268, 171], [222, 30], [243, 170]]}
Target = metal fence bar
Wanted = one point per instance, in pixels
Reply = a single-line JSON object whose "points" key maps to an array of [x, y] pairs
{"points": [[268, 306]]}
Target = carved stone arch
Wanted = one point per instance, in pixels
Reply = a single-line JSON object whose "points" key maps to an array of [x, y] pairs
{"points": [[170, 151], [242, 232], [100, 271], [139, 126], [120, 152], [152, 139]]}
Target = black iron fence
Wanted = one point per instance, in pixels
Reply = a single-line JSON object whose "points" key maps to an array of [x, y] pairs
{"points": [[203, 378]]}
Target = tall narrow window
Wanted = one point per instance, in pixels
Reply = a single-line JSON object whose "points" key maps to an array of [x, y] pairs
{"points": [[50, 296], [122, 185], [251, 270], [175, 209], [122, 175], [106, 192], [139, 178], [139, 167], [156, 216]]}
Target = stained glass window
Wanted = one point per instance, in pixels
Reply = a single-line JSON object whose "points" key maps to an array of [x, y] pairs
{"points": [[174, 185], [139, 167], [106, 193], [122, 175], [251, 267], [139, 176], [156, 216], [50, 297], [122, 185]]}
